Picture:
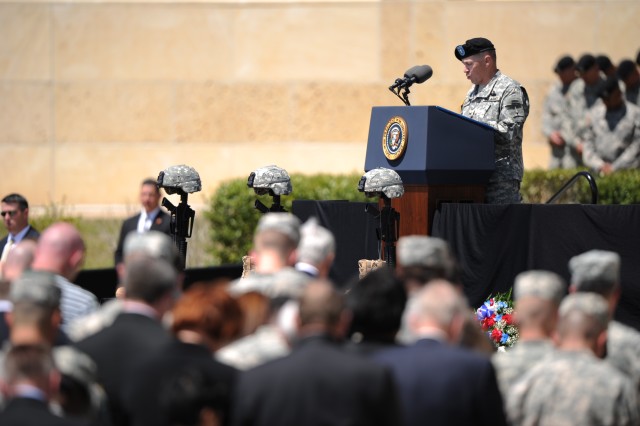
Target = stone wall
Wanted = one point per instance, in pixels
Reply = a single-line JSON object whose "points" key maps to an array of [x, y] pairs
{"points": [[95, 96]]}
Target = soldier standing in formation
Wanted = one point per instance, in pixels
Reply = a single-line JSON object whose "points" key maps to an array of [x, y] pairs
{"points": [[612, 131], [503, 104], [555, 112]]}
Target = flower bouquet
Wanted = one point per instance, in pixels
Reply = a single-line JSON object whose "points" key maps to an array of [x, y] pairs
{"points": [[496, 318]]}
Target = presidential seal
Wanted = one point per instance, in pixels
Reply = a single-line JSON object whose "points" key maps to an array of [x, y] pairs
{"points": [[394, 138]]}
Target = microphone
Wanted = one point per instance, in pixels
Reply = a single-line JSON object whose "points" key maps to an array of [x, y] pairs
{"points": [[416, 74]]}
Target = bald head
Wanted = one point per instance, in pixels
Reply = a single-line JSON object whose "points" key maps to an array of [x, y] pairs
{"points": [[60, 250], [19, 259]]}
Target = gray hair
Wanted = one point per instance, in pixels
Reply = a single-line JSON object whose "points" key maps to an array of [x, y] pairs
{"points": [[316, 243], [440, 302]]}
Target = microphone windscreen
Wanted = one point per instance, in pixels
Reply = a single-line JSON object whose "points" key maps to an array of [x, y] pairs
{"points": [[420, 73]]}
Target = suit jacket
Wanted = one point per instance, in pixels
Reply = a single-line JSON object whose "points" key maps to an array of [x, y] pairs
{"points": [[117, 351], [152, 379], [440, 384], [161, 223], [32, 412], [317, 384], [32, 234]]}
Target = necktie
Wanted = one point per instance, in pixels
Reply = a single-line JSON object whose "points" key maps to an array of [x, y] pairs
{"points": [[6, 250]]}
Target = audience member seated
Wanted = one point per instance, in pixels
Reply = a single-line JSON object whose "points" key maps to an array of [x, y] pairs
{"points": [[438, 381], [61, 251], [318, 383], [574, 386], [376, 303], [204, 319], [537, 296], [31, 382]]}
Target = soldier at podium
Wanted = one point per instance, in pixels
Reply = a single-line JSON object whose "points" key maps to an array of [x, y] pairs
{"points": [[503, 104]]}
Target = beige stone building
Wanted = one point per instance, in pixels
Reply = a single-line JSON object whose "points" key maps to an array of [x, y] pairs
{"points": [[97, 95]]}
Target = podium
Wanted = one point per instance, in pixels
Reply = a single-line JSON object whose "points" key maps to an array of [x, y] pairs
{"points": [[441, 156]]}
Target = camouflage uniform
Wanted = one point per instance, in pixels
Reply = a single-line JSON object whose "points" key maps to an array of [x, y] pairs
{"points": [[504, 105], [612, 137], [580, 98], [517, 361], [633, 95], [623, 350], [555, 112], [574, 388]]}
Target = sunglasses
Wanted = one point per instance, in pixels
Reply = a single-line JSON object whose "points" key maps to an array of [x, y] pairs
{"points": [[11, 213]]}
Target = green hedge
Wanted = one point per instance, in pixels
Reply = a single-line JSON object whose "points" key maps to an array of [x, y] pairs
{"points": [[232, 217]]}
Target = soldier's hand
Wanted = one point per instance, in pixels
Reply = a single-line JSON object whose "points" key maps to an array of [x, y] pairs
{"points": [[556, 139], [606, 169]]}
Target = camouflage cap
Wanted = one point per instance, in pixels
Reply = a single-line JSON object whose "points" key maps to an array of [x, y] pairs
{"points": [[607, 87], [270, 179], [175, 179], [542, 284], [425, 251], [285, 223], [37, 287], [596, 270], [588, 304], [586, 62], [382, 180]]}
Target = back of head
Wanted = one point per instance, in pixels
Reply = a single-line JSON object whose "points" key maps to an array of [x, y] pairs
{"points": [[596, 271], [320, 305], [148, 279], [376, 302], [36, 303], [316, 243], [423, 258], [152, 244], [438, 304], [582, 316], [36, 287], [28, 364], [537, 295], [60, 249], [19, 259], [275, 240], [208, 309], [626, 68], [543, 285]]}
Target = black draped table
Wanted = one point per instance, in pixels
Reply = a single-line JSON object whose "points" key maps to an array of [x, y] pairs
{"points": [[496, 242], [353, 228]]}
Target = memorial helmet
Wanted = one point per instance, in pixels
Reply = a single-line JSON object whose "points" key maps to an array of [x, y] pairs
{"points": [[381, 181], [179, 179], [271, 180]]}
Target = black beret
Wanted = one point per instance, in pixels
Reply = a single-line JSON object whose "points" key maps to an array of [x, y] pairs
{"points": [[586, 62], [625, 68], [607, 87], [473, 46], [564, 63], [604, 63]]}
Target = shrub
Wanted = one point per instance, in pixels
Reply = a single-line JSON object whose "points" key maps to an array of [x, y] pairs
{"points": [[233, 218]]}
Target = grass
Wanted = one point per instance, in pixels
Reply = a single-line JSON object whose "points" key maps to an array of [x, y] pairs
{"points": [[101, 236]]}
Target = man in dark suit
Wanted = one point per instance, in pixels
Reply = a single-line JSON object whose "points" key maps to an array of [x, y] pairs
{"points": [[439, 382], [151, 217], [318, 383], [15, 215], [151, 285], [31, 381]]}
